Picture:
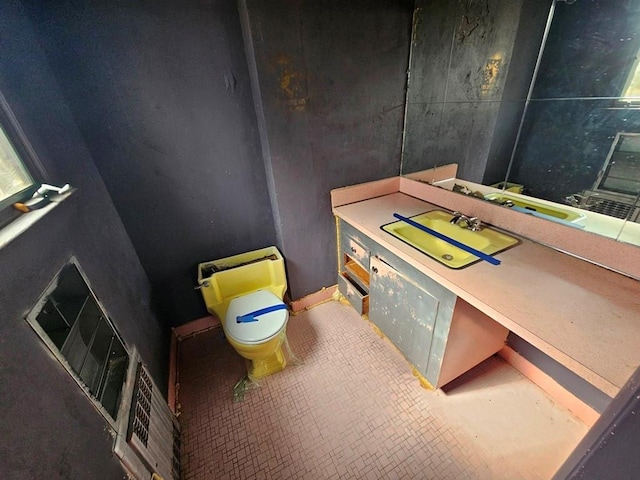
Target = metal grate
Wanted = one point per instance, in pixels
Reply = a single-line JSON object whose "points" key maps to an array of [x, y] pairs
{"points": [[148, 440], [612, 208], [142, 409], [153, 431]]}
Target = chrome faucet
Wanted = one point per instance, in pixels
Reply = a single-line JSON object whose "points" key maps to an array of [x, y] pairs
{"points": [[472, 223], [575, 200], [581, 201]]}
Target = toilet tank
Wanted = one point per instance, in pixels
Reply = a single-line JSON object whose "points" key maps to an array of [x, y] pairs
{"points": [[222, 280]]}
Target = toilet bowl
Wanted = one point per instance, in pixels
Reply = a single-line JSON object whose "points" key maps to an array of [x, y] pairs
{"points": [[259, 337], [245, 292]]}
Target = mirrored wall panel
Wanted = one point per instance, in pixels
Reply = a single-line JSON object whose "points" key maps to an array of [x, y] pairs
{"points": [[542, 97]]}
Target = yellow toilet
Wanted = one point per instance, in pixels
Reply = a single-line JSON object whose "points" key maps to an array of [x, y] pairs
{"points": [[245, 291]]}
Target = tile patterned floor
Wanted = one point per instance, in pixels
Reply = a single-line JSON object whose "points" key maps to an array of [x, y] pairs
{"points": [[352, 409]]}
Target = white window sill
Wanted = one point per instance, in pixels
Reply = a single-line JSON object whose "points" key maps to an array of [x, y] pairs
{"points": [[22, 223]]}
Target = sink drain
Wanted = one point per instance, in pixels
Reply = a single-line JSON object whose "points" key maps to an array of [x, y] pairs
{"points": [[446, 256]]}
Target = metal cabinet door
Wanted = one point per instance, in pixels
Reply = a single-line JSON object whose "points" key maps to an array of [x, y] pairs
{"points": [[405, 312]]}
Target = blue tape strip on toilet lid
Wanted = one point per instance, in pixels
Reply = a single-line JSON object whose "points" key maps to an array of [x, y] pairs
{"points": [[254, 316], [268, 324]]}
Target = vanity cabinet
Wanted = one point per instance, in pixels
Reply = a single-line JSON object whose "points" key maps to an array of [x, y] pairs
{"points": [[441, 335], [403, 311]]}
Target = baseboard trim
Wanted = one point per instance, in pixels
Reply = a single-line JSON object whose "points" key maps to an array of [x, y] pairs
{"points": [[177, 335], [556, 391], [196, 326], [313, 299]]}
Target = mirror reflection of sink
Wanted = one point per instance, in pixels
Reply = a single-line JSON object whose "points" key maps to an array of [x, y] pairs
{"points": [[487, 240], [555, 211]]}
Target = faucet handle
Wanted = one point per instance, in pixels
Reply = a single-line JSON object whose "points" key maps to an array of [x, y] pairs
{"points": [[474, 224], [574, 199], [456, 218]]}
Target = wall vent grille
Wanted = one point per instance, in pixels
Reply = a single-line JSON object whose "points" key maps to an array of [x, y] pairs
{"points": [[141, 410], [612, 208], [612, 204], [148, 439]]}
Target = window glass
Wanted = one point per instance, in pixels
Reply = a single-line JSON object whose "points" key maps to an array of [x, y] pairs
{"points": [[14, 177], [622, 167], [77, 330]]}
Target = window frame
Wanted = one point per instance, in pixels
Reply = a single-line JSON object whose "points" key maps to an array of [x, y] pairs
{"points": [[27, 156], [31, 319], [598, 185], [624, 100]]}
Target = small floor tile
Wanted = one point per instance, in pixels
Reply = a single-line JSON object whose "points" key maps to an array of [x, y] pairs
{"points": [[353, 409]]}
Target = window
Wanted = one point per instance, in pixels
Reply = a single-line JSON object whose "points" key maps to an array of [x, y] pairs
{"points": [[621, 171], [70, 321], [631, 91], [18, 164], [14, 178]]}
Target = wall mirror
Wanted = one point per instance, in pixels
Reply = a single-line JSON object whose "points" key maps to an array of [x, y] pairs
{"points": [[538, 102]]}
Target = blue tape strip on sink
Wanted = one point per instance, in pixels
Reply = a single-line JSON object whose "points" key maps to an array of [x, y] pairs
{"points": [[449, 240], [251, 317]]}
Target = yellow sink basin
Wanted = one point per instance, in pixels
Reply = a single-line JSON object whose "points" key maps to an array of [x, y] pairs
{"points": [[487, 240], [539, 207]]}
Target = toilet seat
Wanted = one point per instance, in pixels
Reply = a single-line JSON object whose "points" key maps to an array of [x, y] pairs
{"points": [[265, 327]]}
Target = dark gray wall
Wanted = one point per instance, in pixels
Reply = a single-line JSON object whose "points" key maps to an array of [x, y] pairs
{"points": [[471, 67], [329, 78], [161, 94], [49, 428]]}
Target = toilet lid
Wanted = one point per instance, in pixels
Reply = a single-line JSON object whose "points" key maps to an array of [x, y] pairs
{"points": [[265, 325]]}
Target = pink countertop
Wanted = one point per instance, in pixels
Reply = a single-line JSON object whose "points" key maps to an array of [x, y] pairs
{"points": [[582, 315]]}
